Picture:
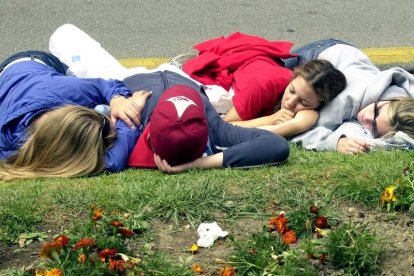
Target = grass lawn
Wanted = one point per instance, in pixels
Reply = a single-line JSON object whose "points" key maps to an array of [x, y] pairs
{"points": [[149, 220]]}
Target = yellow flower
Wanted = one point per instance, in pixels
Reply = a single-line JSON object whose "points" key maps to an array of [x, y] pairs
{"points": [[194, 248], [388, 194]]}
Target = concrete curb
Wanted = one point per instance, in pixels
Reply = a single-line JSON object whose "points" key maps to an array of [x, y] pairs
{"points": [[379, 56]]}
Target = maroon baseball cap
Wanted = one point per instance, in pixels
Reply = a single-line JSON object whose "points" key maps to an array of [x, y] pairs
{"points": [[177, 132]]}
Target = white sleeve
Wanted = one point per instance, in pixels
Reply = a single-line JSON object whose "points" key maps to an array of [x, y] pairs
{"points": [[323, 139]]}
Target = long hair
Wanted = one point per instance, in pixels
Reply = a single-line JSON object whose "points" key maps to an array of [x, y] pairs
{"points": [[324, 78], [67, 141], [401, 115]]}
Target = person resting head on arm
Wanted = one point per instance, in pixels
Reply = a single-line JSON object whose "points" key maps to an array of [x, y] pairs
{"points": [[185, 132], [381, 119], [315, 84]]}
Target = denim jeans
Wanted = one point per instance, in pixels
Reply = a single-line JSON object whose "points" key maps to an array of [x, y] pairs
{"points": [[310, 52], [47, 58]]}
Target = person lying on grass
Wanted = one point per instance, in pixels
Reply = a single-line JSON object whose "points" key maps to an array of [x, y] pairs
{"points": [[374, 104], [254, 72], [50, 129]]}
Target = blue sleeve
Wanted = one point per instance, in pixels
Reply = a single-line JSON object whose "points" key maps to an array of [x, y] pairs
{"points": [[116, 157], [87, 92], [245, 147]]}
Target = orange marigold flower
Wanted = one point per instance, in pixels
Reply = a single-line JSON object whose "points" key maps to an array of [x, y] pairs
{"points": [[388, 194], [116, 223], [116, 265], [289, 237], [54, 272], [196, 268], [227, 271], [84, 243], [50, 247], [97, 214], [82, 258], [62, 239], [106, 253], [279, 223], [321, 222], [126, 232]]}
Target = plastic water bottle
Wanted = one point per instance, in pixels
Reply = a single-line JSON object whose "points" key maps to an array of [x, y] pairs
{"points": [[77, 68]]}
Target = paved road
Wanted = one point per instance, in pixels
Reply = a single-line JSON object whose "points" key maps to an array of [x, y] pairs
{"points": [[156, 28]]}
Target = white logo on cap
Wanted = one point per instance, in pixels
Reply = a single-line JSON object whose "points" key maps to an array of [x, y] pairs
{"points": [[181, 103]]}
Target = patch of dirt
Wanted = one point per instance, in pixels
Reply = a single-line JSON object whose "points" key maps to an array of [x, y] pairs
{"points": [[15, 257], [175, 241], [395, 231]]}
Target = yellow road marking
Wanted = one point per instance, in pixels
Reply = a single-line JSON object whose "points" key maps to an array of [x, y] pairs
{"points": [[377, 55], [390, 55]]}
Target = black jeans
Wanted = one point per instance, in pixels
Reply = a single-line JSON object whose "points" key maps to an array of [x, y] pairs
{"points": [[47, 58]]}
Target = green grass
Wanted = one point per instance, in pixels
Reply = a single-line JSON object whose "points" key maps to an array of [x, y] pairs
{"points": [[224, 195]]}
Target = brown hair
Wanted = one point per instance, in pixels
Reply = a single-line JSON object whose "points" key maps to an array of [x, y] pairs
{"points": [[324, 78], [401, 115], [67, 141]]}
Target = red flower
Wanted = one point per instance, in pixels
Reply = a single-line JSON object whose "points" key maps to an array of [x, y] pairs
{"points": [[313, 209], [322, 259], [106, 253], [289, 237], [321, 222], [86, 242], [116, 265], [48, 248], [116, 223], [279, 223], [97, 214], [126, 232], [62, 239]]}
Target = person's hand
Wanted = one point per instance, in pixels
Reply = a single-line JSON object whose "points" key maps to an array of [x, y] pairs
{"points": [[126, 110], [140, 98], [352, 145], [281, 116], [165, 167]]}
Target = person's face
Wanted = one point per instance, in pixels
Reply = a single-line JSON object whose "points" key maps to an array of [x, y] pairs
{"points": [[374, 117], [299, 95]]}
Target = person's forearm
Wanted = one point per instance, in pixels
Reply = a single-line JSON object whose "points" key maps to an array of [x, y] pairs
{"points": [[286, 129], [262, 121], [208, 162]]}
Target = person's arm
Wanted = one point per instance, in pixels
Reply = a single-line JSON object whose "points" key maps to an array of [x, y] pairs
{"points": [[116, 157], [245, 147], [278, 117], [324, 139], [348, 145], [303, 121], [207, 162]]}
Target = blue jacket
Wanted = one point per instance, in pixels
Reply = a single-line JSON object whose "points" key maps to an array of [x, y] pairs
{"points": [[29, 88], [242, 147]]}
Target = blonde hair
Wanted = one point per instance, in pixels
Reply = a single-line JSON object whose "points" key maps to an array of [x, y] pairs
{"points": [[67, 141], [401, 115]]}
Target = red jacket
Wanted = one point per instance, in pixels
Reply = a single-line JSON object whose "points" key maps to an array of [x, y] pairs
{"points": [[250, 64]]}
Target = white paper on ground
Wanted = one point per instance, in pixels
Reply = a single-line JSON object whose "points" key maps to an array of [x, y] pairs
{"points": [[208, 233]]}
